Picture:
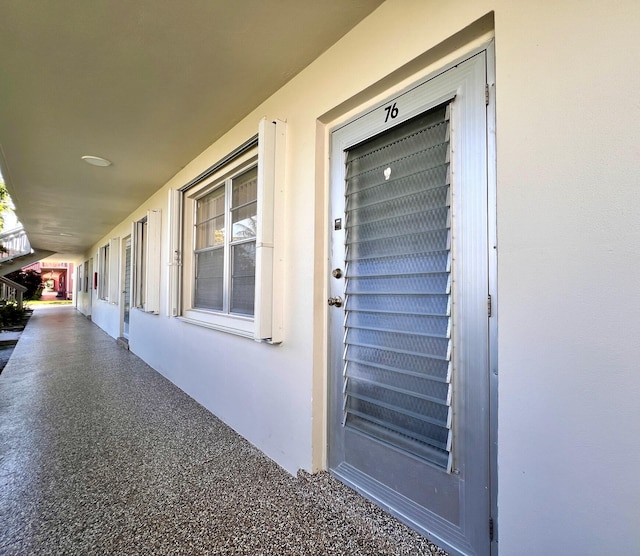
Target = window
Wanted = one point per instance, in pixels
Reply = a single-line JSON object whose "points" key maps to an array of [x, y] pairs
{"points": [[225, 246], [103, 272], [108, 265], [228, 252], [114, 271], [146, 262], [85, 286], [79, 278]]}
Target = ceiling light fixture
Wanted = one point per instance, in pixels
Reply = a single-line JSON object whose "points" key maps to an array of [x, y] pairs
{"points": [[96, 161]]}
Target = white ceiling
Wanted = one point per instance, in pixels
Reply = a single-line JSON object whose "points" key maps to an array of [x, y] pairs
{"points": [[147, 84]]}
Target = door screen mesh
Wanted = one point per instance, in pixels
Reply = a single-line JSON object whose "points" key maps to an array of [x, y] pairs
{"points": [[397, 370]]}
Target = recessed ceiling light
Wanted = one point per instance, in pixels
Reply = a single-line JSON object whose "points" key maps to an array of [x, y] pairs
{"points": [[96, 161]]}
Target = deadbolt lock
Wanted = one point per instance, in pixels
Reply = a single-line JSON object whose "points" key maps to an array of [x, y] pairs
{"points": [[337, 273], [335, 301]]}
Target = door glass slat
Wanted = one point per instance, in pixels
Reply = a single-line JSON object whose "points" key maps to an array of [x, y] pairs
{"points": [[397, 375], [398, 360]]}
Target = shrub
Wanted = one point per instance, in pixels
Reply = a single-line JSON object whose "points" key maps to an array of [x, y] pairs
{"points": [[31, 280], [10, 314]]}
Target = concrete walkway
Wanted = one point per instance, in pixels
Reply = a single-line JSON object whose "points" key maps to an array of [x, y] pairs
{"points": [[99, 454]]}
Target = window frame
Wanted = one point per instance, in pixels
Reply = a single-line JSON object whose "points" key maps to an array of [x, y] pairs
{"points": [[85, 284], [103, 272], [146, 242], [229, 240], [224, 318], [139, 234], [80, 277], [267, 150], [114, 290], [108, 269]]}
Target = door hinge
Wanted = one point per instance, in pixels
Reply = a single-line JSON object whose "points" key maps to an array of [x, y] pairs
{"points": [[486, 94], [489, 307], [490, 528]]}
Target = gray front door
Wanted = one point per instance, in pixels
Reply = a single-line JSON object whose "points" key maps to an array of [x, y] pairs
{"points": [[409, 399]]}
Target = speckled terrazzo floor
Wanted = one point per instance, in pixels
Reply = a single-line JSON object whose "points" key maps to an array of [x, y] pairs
{"points": [[99, 454]]}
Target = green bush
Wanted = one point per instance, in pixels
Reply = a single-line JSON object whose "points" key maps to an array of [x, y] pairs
{"points": [[31, 280], [10, 314]]}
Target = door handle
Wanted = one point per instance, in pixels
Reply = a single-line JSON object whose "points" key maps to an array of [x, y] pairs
{"points": [[335, 301]]}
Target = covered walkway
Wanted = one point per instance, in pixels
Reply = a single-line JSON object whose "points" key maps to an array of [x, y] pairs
{"points": [[99, 454]]}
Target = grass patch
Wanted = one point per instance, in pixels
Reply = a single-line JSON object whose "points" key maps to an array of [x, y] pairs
{"points": [[36, 302]]}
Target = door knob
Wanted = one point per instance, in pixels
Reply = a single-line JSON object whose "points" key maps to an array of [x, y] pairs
{"points": [[335, 301]]}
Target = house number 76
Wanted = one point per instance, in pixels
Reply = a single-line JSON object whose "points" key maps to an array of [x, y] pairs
{"points": [[392, 112]]}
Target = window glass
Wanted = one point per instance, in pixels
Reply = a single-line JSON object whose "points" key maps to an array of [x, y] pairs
{"points": [[103, 276], [225, 266], [210, 219], [244, 205], [209, 286], [243, 278]]}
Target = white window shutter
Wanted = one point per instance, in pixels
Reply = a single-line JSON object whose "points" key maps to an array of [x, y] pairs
{"points": [[175, 252], [114, 271], [152, 264], [99, 269], [269, 298]]}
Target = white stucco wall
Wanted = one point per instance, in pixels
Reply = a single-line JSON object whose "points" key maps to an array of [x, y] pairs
{"points": [[568, 148], [568, 199]]}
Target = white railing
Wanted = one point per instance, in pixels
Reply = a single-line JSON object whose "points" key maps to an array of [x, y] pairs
{"points": [[11, 291], [15, 243]]}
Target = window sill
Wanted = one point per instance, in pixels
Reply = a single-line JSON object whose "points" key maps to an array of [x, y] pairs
{"points": [[238, 326]]}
